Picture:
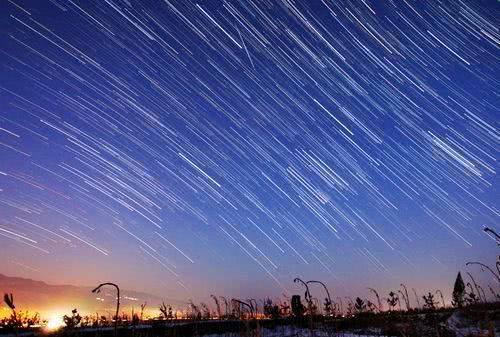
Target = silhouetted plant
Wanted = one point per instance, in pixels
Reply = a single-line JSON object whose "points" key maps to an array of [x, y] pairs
{"points": [[240, 306], [14, 320], [350, 309], [328, 307], [135, 318], [442, 298], [497, 237], [359, 305], [392, 300], [9, 300], [471, 296], [98, 289], [313, 307], [341, 306], [235, 310], [226, 306], [166, 312], [328, 300], [429, 302], [33, 320], [496, 296], [143, 306], [483, 267], [72, 321], [87, 321], [337, 309], [307, 294], [205, 311], [476, 287], [416, 297], [482, 292], [255, 306], [371, 307], [217, 306], [458, 292], [195, 311], [379, 303], [405, 297], [271, 310], [284, 308]]}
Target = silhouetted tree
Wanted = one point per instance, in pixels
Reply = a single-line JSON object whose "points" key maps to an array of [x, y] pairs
{"points": [[429, 302], [458, 292]]}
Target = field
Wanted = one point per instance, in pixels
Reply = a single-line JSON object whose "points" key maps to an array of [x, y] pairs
{"points": [[481, 320]]}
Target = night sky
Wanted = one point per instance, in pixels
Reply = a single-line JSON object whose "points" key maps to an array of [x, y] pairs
{"points": [[187, 148]]}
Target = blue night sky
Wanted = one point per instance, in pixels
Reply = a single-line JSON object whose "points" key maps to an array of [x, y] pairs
{"points": [[187, 148]]}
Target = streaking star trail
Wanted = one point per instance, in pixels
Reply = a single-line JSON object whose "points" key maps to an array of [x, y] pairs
{"points": [[195, 146]]}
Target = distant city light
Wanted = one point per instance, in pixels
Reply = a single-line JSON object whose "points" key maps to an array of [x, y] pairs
{"points": [[55, 322]]}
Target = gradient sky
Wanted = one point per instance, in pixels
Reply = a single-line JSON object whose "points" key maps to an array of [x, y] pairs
{"points": [[188, 148]]}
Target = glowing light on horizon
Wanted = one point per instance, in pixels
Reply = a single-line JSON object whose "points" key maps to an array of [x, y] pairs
{"points": [[55, 322]]}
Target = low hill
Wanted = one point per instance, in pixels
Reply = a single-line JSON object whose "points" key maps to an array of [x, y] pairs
{"points": [[51, 300]]}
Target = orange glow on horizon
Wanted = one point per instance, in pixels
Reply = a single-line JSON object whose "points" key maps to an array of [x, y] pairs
{"points": [[55, 322]]}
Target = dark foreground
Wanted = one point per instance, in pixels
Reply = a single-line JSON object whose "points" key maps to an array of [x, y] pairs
{"points": [[480, 321]]}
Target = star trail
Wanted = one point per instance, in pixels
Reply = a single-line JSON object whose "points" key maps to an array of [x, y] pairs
{"points": [[199, 143]]}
